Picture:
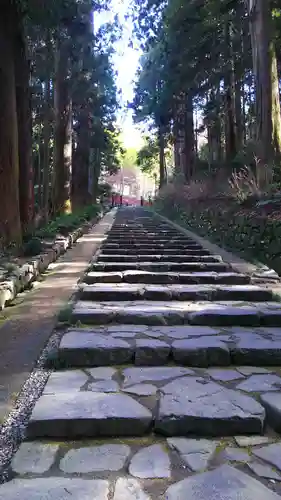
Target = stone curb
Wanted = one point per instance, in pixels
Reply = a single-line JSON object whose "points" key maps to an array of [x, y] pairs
{"points": [[237, 263], [20, 278]]}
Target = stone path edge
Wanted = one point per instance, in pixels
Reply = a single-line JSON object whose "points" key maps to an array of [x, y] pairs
{"points": [[237, 263], [13, 426], [35, 266]]}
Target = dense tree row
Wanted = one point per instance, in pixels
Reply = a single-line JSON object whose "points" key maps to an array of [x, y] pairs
{"points": [[57, 109], [221, 57]]}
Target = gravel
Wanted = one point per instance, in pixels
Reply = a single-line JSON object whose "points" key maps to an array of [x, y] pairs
{"points": [[14, 428]]}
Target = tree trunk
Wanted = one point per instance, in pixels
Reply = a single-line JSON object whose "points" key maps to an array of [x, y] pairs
{"points": [[81, 158], [10, 225], [81, 162], [178, 140], [162, 167], [26, 174], [230, 139], [268, 119], [237, 41], [189, 138], [62, 134], [47, 133], [180, 124]]}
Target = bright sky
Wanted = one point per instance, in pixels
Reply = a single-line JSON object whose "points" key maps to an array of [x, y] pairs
{"points": [[126, 63]]}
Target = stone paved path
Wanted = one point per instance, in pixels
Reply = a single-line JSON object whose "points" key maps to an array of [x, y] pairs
{"points": [[166, 386]]}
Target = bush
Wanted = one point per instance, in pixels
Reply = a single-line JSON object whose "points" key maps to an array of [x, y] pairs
{"points": [[62, 225], [32, 247], [66, 223]]}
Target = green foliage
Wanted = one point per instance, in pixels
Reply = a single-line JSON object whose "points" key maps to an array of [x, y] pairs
{"points": [[148, 156], [33, 247], [66, 223]]}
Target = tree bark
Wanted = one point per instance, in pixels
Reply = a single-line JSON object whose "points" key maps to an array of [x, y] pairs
{"points": [[189, 138], [47, 133], [268, 119], [23, 101], [230, 138], [177, 140], [162, 167], [10, 225], [237, 41], [62, 134], [81, 161]]}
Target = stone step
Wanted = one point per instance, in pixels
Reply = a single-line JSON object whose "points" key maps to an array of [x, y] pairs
{"points": [[178, 313], [169, 401], [139, 251], [142, 345], [147, 468], [150, 246], [143, 234], [146, 241], [226, 278], [129, 291], [160, 266], [161, 257]]}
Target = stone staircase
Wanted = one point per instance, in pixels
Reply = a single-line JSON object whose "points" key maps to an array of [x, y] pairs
{"points": [[167, 384]]}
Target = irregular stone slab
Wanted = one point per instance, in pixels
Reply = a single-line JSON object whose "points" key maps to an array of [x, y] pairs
{"points": [[271, 315], [95, 277], [258, 352], [157, 292], [192, 405], [235, 455], [196, 453], [149, 315], [142, 389], [151, 352], [54, 488], [272, 403], [207, 277], [63, 381], [83, 348], [224, 375], [153, 374], [245, 441], [186, 332], [149, 277], [34, 458], [270, 454], [91, 313], [192, 292], [223, 483], [127, 331], [88, 414], [216, 315], [263, 470], [129, 489], [102, 372], [104, 386], [104, 458], [113, 291], [260, 383], [150, 463], [250, 370], [203, 351], [250, 293]]}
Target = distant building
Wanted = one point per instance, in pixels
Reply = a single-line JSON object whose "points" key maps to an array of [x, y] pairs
{"points": [[125, 183]]}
